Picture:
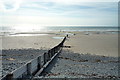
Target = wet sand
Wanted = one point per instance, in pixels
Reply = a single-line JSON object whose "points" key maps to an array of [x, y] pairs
{"points": [[98, 44], [25, 42], [18, 50], [104, 44], [90, 55]]}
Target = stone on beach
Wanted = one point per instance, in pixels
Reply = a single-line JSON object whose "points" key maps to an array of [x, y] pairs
{"points": [[73, 62]]}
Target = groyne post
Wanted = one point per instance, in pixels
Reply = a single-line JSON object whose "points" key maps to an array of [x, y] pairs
{"points": [[39, 62], [9, 77], [35, 66], [29, 73]]}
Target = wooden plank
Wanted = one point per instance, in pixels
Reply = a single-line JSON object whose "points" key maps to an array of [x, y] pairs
{"points": [[29, 69], [17, 73], [34, 65], [41, 70], [38, 63]]}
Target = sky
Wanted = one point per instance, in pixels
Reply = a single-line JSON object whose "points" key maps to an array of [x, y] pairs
{"points": [[59, 12]]}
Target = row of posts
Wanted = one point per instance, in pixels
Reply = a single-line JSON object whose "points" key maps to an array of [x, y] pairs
{"points": [[47, 56]]}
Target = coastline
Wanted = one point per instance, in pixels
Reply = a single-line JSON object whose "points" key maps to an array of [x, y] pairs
{"points": [[104, 43], [82, 60], [80, 42], [93, 42]]}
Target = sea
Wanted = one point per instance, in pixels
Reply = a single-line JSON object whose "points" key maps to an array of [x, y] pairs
{"points": [[19, 29]]}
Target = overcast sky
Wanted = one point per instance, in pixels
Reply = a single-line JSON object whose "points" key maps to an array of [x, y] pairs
{"points": [[59, 12]]}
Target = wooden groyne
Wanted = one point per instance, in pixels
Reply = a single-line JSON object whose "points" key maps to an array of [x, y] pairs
{"points": [[35, 66]]}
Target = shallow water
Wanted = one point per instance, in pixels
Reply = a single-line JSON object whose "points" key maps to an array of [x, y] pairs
{"points": [[58, 37], [28, 34]]}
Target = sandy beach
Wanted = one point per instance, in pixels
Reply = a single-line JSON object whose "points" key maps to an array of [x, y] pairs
{"points": [[90, 56], [81, 42], [59, 39], [24, 42], [17, 50], [105, 44]]}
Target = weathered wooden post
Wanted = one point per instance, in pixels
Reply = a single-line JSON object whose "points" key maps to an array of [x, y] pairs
{"points": [[53, 51], [56, 49], [39, 62], [59, 48], [9, 77], [29, 72], [42, 60], [45, 60], [49, 54]]}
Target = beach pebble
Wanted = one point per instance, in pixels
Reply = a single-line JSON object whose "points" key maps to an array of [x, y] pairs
{"points": [[73, 65], [14, 58]]}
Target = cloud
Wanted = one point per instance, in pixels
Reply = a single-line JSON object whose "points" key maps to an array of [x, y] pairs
{"points": [[10, 5], [72, 1], [59, 12], [57, 9]]}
